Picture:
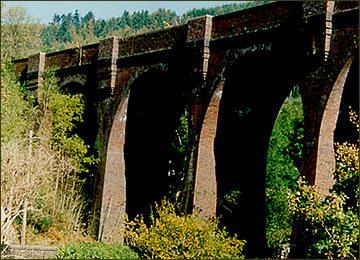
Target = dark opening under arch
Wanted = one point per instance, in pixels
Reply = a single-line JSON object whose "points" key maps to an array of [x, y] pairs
{"points": [[255, 88], [153, 113], [345, 130]]}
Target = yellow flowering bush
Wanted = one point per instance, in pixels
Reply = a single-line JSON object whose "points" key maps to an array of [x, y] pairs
{"points": [[172, 237], [332, 223]]}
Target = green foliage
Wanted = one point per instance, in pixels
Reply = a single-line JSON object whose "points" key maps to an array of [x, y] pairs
{"points": [[95, 250], [46, 175], [40, 224], [332, 221], [57, 114], [230, 201], [177, 164], [15, 123], [172, 237], [283, 161], [334, 231], [224, 9], [19, 33], [347, 169]]}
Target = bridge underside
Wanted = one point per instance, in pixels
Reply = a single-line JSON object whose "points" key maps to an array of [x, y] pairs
{"points": [[231, 74]]}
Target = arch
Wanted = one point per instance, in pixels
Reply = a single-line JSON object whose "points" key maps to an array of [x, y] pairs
{"points": [[283, 166], [88, 129], [74, 79], [153, 111], [255, 89], [345, 130], [114, 183], [205, 190]]}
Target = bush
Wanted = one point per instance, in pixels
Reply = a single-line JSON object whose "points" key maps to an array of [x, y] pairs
{"points": [[41, 158], [332, 223], [172, 236], [95, 250], [332, 231]]}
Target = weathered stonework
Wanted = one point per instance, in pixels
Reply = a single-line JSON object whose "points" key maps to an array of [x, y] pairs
{"points": [[27, 252], [312, 43]]}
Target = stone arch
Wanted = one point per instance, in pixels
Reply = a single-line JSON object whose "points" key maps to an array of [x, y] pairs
{"points": [[72, 87], [153, 110]]}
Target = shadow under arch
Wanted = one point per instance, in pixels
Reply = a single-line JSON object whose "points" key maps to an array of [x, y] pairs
{"points": [[87, 129], [154, 108], [255, 89], [345, 130], [283, 170]]}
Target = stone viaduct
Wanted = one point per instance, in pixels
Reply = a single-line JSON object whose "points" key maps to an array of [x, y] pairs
{"points": [[232, 74]]}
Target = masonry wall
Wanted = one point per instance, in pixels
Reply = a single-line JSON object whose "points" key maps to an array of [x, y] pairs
{"points": [[27, 252]]}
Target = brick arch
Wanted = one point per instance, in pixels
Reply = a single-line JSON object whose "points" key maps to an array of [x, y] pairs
{"points": [[150, 83], [114, 183], [72, 87], [205, 187], [112, 142], [252, 96], [151, 120], [321, 93], [80, 79]]}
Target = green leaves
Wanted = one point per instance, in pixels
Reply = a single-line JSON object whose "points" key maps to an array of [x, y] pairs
{"points": [[95, 250], [283, 161], [19, 33], [334, 230], [333, 220], [15, 110], [58, 115]]}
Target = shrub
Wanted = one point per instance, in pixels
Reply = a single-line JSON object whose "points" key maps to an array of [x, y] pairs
{"points": [[172, 236], [95, 250], [333, 231], [41, 158], [332, 222]]}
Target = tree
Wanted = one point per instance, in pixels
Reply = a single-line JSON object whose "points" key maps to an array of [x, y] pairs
{"points": [[88, 18], [76, 20], [124, 20], [41, 177], [19, 33], [284, 155]]}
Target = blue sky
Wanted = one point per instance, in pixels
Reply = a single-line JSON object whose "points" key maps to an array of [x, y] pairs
{"points": [[45, 10]]}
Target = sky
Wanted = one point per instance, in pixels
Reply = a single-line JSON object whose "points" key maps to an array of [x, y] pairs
{"points": [[45, 10]]}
